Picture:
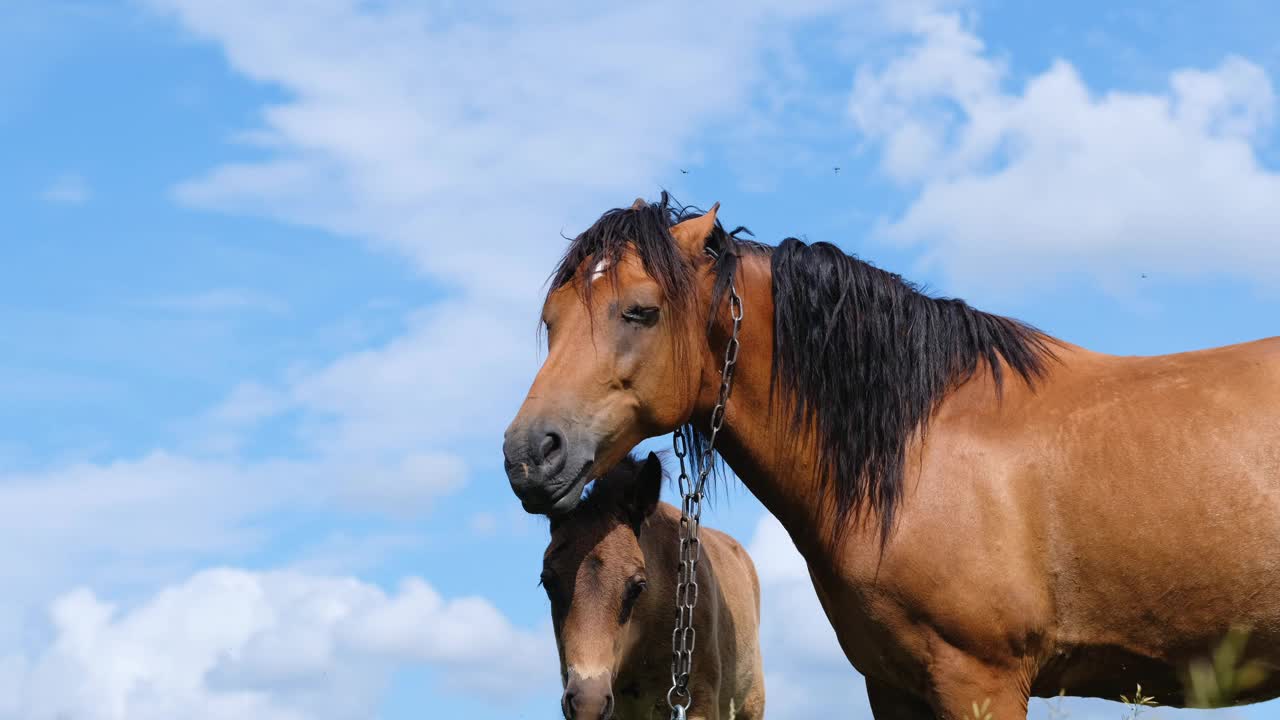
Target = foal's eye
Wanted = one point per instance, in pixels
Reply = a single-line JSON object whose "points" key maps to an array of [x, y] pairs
{"points": [[641, 315], [635, 586]]}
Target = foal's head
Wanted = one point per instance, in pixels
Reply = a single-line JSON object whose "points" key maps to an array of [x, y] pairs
{"points": [[625, 319], [595, 576]]}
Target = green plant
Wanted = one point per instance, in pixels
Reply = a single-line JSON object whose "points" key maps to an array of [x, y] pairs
{"points": [[1219, 680], [1138, 703]]}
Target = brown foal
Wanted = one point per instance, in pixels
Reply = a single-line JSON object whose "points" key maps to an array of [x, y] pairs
{"points": [[610, 573]]}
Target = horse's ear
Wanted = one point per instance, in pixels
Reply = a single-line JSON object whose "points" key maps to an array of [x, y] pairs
{"points": [[691, 235], [646, 489], [639, 204]]}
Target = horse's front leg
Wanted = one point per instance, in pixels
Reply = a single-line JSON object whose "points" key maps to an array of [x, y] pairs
{"points": [[890, 703], [967, 689]]}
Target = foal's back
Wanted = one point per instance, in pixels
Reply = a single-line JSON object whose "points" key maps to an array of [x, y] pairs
{"points": [[727, 671]]}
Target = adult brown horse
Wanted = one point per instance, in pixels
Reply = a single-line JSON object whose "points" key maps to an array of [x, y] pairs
{"points": [[986, 512]]}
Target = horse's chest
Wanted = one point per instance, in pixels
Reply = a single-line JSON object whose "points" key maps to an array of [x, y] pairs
{"points": [[873, 630]]}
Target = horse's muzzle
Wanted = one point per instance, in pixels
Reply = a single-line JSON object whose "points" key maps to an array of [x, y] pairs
{"points": [[547, 466]]}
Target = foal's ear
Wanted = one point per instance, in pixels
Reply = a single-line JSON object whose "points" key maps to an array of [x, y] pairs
{"points": [[647, 488], [691, 235]]}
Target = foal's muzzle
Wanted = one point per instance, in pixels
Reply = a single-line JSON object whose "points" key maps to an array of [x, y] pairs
{"points": [[588, 698]]}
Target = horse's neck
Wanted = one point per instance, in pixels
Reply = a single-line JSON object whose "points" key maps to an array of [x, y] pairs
{"points": [[777, 467], [778, 462]]}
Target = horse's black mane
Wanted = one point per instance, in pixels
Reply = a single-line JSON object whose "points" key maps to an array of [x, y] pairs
{"points": [[861, 356], [864, 357]]}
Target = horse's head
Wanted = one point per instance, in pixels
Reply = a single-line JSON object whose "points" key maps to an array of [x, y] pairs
{"points": [[594, 573], [624, 317]]}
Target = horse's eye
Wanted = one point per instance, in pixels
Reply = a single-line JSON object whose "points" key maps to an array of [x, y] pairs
{"points": [[641, 315]]}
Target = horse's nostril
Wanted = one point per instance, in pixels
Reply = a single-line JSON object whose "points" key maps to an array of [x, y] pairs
{"points": [[550, 447], [608, 707], [567, 704]]}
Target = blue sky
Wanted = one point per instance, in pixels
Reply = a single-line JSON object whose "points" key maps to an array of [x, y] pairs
{"points": [[268, 281]]}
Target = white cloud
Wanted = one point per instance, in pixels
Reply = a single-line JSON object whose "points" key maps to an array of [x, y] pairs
{"points": [[68, 189], [123, 526], [458, 372], [465, 139], [408, 487], [248, 402], [233, 644], [1015, 189], [185, 504], [390, 428], [344, 552], [468, 137], [126, 524]]}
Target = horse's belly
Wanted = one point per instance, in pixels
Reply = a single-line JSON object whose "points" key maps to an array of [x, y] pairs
{"points": [[1142, 614], [1110, 672]]}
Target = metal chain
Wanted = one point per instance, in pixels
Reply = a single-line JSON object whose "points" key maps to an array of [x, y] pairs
{"points": [[682, 639]]}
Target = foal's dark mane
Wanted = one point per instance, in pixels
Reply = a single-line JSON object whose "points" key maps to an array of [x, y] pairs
{"points": [[611, 496], [861, 356]]}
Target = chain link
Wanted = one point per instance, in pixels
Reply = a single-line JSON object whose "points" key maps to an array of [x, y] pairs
{"points": [[683, 638]]}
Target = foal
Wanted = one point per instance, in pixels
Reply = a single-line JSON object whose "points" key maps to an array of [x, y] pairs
{"points": [[610, 573]]}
